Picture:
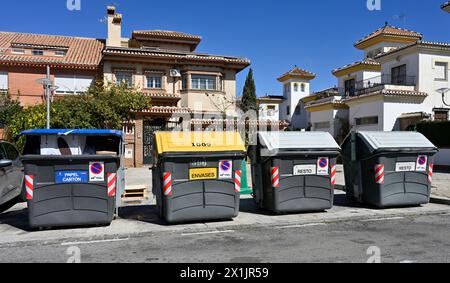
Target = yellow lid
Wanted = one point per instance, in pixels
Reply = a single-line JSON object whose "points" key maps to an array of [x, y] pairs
{"points": [[174, 142]]}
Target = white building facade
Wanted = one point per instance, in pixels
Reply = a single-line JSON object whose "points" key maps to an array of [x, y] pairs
{"points": [[296, 86]]}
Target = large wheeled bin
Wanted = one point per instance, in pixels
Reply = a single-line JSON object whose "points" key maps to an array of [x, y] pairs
{"points": [[388, 169], [197, 175], [294, 171], [72, 177]]}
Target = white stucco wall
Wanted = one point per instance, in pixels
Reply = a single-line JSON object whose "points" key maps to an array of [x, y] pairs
{"points": [[269, 115], [370, 109], [292, 97], [427, 80]]}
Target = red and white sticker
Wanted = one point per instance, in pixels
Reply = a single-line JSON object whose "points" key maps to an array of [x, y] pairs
{"points": [[29, 186], [167, 184], [421, 164], [275, 177], [237, 181], [430, 174], [96, 172], [333, 174], [322, 166], [112, 181], [379, 174]]}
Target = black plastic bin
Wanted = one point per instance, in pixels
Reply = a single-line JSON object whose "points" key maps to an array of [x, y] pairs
{"points": [[294, 171], [72, 177], [388, 169]]}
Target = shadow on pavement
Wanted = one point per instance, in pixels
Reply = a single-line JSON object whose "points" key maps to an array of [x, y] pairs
{"points": [[16, 218]]}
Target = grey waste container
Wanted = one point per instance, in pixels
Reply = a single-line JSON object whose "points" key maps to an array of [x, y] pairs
{"points": [[197, 175], [72, 177], [388, 169], [294, 171]]}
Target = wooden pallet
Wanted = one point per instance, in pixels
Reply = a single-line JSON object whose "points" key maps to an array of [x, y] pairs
{"points": [[135, 194]]}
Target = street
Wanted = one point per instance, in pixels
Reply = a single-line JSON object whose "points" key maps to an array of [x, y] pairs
{"points": [[399, 239]]}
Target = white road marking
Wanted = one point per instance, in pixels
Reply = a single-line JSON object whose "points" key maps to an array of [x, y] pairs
{"points": [[408, 261], [382, 219], [208, 233], [301, 225], [93, 242]]}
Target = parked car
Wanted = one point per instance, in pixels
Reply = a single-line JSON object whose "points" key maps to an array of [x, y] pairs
{"points": [[11, 176]]}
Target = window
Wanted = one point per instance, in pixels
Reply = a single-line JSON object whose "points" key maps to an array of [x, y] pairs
{"points": [[349, 86], [203, 82], [441, 71], [3, 81], [72, 84], [366, 121], [37, 52], [2, 153], [321, 125], [288, 110], [124, 77], [303, 87], [11, 152], [154, 81], [18, 51], [398, 75], [440, 114], [60, 53], [295, 87]]}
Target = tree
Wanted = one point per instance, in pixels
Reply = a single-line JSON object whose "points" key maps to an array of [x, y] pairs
{"points": [[249, 101], [8, 107], [101, 107]]}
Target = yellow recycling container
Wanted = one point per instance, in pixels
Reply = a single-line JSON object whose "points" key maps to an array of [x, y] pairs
{"points": [[197, 175]]}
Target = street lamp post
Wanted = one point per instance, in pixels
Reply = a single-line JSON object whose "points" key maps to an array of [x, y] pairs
{"points": [[47, 83], [443, 91]]}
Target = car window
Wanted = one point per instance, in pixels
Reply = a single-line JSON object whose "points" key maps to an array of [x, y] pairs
{"points": [[11, 151], [2, 153]]}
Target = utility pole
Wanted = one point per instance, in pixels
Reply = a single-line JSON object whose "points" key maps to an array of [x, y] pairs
{"points": [[47, 83], [47, 95]]}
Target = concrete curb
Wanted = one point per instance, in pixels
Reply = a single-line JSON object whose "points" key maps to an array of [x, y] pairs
{"points": [[440, 200]]}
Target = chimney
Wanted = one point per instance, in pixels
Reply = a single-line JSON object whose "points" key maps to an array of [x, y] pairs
{"points": [[114, 27]]}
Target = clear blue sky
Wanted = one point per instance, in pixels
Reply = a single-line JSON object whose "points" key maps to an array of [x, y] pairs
{"points": [[316, 35]]}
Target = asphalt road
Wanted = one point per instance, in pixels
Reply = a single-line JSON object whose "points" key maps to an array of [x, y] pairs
{"points": [[408, 239]]}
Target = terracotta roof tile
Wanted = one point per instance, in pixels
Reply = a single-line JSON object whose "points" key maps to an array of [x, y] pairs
{"points": [[390, 31], [419, 43], [174, 55], [81, 52], [365, 62], [167, 34], [297, 72], [390, 92]]}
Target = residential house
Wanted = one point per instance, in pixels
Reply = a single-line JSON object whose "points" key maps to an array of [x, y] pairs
{"points": [[180, 82], [394, 86], [296, 85], [74, 63], [269, 107], [327, 112]]}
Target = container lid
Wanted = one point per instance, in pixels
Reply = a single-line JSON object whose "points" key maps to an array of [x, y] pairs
{"points": [[396, 140], [68, 132], [299, 141], [200, 142]]}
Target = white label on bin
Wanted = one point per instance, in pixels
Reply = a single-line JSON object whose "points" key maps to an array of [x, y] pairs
{"points": [[226, 169], [405, 167], [303, 170], [96, 172], [322, 166], [421, 165]]}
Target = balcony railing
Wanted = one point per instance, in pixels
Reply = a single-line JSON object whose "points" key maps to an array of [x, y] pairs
{"points": [[376, 83]]}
